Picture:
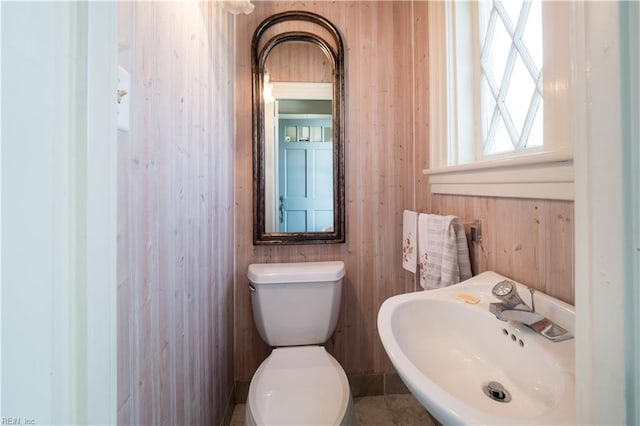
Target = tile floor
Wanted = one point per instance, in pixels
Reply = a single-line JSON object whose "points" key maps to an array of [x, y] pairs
{"points": [[396, 410]]}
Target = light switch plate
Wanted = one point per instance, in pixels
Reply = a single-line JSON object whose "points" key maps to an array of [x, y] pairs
{"points": [[123, 99]]}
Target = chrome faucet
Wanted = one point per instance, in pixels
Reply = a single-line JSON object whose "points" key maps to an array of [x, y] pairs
{"points": [[513, 308]]}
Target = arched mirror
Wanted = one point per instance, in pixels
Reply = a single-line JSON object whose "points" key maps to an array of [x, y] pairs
{"points": [[298, 128]]}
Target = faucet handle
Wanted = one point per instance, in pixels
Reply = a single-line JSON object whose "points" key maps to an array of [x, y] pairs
{"points": [[506, 291], [502, 289]]}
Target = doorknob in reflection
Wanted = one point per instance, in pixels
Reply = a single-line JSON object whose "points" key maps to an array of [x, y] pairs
{"points": [[281, 209]]}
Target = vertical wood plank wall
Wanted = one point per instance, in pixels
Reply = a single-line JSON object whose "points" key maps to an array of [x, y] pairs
{"points": [[387, 147], [299, 62], [380, 175], [530, 241], [175, 214]]}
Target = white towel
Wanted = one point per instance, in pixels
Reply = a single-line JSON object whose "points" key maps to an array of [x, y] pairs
{"points": [[442, 251], [409, 240]]}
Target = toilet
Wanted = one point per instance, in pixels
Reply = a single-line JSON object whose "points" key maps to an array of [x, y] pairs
{"points": [[296, 307]]}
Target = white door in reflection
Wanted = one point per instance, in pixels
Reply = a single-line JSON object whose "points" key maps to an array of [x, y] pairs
{"points": [[305, 175]]}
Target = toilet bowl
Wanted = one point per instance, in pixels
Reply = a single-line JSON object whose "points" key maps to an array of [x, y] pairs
{"points": [[299, 386], [295, 308]]}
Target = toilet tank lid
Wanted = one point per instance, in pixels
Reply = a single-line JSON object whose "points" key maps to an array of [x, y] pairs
{"points": [[266, 273]]}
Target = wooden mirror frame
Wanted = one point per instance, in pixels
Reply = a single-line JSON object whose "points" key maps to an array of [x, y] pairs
{"points": [[258, 59]]}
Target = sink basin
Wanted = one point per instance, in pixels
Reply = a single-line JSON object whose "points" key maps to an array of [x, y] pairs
{"points": [[447, 351]]}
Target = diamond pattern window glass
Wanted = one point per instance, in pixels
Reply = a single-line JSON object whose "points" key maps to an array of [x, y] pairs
{"points": [[511, 72], [519, 95]]}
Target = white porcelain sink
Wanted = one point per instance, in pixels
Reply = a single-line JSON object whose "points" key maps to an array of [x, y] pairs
{"points": [[446, 350]]}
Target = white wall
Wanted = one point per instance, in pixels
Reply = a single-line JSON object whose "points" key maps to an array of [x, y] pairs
{"points": [[607, 216], [630, 70], [57, 307]]}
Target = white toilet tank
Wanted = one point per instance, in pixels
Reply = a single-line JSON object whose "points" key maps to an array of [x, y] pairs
{"points": [[296, 304]]}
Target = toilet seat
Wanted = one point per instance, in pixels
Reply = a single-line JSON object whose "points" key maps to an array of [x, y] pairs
{"points": [[301, 385]]}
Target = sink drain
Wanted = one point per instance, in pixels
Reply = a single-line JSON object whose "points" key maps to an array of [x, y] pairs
{"points": [[497, 392]]}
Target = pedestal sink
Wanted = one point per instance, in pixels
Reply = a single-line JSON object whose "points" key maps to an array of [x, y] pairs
{"points": [[467, 367]]}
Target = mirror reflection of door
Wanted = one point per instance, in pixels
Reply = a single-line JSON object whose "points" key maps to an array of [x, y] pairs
{"points": [[299, 158], [305, 175], [298, 137]]}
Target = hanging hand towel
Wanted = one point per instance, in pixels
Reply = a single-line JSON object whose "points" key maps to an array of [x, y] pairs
{"points": [[443, 253], [409, 239]]}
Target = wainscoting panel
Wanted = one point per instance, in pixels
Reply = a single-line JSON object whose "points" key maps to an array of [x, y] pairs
{"points": [[530, 241]]}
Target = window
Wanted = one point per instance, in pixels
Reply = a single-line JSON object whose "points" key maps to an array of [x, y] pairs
{"points": [[511, 75], [501, 124]]}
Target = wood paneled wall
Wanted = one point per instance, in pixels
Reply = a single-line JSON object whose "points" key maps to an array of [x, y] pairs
{"points": [[386, 150], [387, 147], [175, 214], [299, 62], [530, 241]]}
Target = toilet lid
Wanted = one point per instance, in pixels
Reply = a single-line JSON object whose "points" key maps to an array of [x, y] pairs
{"points": [[299, 386]]}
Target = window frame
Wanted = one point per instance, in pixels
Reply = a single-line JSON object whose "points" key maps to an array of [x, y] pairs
{"points": [[541, 172]]}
